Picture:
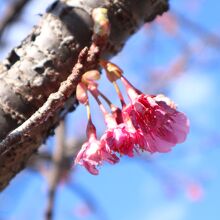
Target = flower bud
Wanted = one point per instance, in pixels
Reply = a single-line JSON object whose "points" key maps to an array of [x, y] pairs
{"points": [[90, 76], [113, 72], [81, 93], [101, 22]]}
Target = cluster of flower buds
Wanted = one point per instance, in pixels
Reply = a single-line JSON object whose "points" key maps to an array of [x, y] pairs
{"points": [[149, 123]]}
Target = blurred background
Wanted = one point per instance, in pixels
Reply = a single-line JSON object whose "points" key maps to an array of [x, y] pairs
{"points": [[177, 55]]}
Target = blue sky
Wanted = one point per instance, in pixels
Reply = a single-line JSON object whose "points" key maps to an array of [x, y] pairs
{"points": [[137, 189]]}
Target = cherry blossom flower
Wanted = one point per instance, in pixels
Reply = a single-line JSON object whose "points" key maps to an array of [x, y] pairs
{"points": [[122, 137], [119, 139], [148, 123], [93, 153], [156, 116]]}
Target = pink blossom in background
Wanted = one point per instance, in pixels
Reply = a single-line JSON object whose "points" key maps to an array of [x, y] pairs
{"points": [[168, 23], [82, 211], [195, 192]]}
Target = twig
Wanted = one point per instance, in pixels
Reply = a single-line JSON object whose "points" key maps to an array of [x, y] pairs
{"points": [[70, 30], [56, 171], [88, 58], [72, 148]]}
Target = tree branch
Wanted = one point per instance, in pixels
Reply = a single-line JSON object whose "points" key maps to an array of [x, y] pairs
{"points": [[35, 69], [56, 170], [25, 133]]}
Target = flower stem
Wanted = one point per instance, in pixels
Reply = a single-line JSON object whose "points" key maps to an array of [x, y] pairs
{"points": [[118, 91], [94, 94], [105, 98], [88, 111], [131, 90]]}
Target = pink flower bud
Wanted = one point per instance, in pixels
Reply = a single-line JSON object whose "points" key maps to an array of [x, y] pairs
{"points": [[90, 76], [81, 93], [113, 72]]}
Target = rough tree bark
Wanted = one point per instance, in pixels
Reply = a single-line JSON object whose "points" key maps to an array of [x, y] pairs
{"points": [[34, 69]]}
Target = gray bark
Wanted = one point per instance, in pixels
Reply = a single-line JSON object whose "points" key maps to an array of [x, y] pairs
{"points": [[34, 69]]}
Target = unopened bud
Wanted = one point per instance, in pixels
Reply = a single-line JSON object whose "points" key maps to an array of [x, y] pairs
{"points": [[81, 93], [90, 130], [101, 22], [91, 76], [113, 72]]}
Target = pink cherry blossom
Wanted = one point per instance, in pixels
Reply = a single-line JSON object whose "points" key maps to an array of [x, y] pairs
{"points": [[122, 138], [93, 153], [161, 124], [119, 139], [89, 156], [148, 123]]}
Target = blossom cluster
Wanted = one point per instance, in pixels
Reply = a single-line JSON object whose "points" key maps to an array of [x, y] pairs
{"points": [[148, 123]]}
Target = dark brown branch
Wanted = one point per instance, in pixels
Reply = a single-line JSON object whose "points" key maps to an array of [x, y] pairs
{"points": [[35, 69], [55, 101], [88, 58]]}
